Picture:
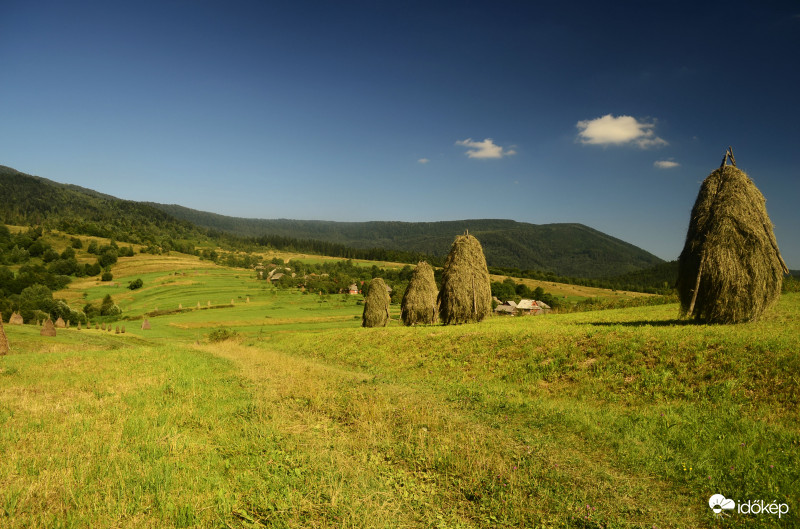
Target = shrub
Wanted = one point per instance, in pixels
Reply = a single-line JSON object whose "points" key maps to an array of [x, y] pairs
{"points": [[221, 334]]}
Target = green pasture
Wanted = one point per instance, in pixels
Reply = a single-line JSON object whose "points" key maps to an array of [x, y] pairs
{"points": [[301, 418]]}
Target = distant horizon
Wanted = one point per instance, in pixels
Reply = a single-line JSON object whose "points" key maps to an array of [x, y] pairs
{"points": [[590, 113]]}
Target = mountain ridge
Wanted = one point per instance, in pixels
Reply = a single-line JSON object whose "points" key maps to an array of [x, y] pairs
{"points": [[569, 249], [565, 249]]}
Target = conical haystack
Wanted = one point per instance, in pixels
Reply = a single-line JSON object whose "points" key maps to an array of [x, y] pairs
{"points": [[466, 294], [16, 319], [419, 300], [48, 329], [376, 305], [4, 349], [146, 325], [730, 270], [60, 323]]}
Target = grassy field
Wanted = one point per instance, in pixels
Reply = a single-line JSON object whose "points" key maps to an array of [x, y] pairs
{"points": [[607, 419]]}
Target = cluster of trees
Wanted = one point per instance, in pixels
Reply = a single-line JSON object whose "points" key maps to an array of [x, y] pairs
{"points": [[332, 277], [659, 279], [41, 270], [340, 250]]}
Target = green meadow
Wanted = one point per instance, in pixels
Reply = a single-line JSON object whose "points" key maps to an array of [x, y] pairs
{"points": [[271, 408]]}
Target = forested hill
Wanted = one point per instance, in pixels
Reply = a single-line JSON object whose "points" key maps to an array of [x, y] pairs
{"points": [[34, 201], [565, 249]]}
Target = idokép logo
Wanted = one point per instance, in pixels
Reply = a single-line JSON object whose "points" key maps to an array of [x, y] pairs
{"points": [[719, 503]]}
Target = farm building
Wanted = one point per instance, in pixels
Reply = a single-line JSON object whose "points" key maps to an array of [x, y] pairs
{"points": [[529, 307], [352, 289], [505, 310]]}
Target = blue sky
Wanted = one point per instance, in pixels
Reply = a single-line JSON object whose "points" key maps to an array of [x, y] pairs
{"points": [[605, 113]]}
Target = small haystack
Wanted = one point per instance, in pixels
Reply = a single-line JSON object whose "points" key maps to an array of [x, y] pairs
{"points": [[419, 300], [198, 304], [180, 306], [376, 305], [16, 319], [122, 330], [103, 326], [730, 270], [79, 325], [4, 349], [116, 329], [146, 325], [60, 323], [466, 294], [48, 329]]}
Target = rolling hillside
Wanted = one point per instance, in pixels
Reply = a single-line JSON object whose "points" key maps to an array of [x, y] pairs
{"points": [[568, 250], [565, 249]]}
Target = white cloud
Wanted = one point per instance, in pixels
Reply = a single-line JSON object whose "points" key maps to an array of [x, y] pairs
{"points": [[666, 164], [484, 149], [622, 130], [423, 160]]}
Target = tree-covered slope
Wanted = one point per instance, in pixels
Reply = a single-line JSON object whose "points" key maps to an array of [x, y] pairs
{"points": [[568, 250], [32, 200], [565, 249]]}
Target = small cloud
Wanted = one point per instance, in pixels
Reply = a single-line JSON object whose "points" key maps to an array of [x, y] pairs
{"points": [[423, 160], [666, 164], [622, 130], [484, 149]]}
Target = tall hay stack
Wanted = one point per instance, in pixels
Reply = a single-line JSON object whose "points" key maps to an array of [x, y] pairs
{"points": [[16, 319], [466, 294], [48, 329], [730, 269], [419, 300], [376, 305], [4, 349]]}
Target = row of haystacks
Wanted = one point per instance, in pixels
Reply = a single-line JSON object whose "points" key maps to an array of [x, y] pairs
{"points": [[730, 269], [465, 296]]}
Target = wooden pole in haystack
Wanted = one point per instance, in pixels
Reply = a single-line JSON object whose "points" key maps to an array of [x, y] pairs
{"points": [[730, 269], [419, 299], [466, 294], [376, 305]]}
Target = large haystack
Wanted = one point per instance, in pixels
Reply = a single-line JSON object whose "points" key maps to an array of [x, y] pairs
{"points": [[419, 300], [730, 270], [466, 294], [48, 329], [60, 323], [376, 305], [4, 349], [16, 319]]}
